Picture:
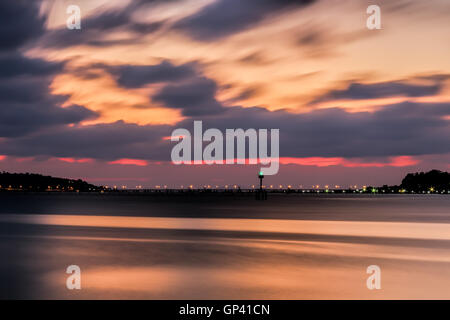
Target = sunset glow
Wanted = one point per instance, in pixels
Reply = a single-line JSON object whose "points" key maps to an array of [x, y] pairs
{"points": [[343, 96]]}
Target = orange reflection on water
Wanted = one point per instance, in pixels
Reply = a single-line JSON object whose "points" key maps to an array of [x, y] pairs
{"points": [[437, 231], [282, 271]]}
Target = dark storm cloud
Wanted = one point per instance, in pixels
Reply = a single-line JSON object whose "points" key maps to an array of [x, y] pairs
{"points": [[361, 91], [195, 97], [184, 87], [226, 17], [102, 141], [26, 104], [18, 119], [20, 23], [26, 90], [15, 64], [131, 76], [402, 129]]}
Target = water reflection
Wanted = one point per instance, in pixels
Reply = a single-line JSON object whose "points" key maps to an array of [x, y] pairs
{"points": [[197, 258], [438, 231]]}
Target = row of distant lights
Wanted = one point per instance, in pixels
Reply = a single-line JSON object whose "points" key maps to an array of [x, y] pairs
{"points": [[315, 187], [217, 187], [48, 188]]}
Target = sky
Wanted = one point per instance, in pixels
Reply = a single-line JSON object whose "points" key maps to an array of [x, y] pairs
{"points": [[354, 106]]}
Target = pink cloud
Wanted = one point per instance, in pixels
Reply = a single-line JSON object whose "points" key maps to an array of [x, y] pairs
{"points": [[400, 161], [24, 159], [313, 161], [74, 160], [133, 162]]}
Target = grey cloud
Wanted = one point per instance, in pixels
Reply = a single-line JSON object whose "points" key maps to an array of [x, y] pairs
{"points": [[184, 88], [195, 97], [401, 129], [20, 23], [93, 28], [223, 18], [102, 141], [18, 119], [361, 91], [132, 76], [26, 104], [15, 64]]}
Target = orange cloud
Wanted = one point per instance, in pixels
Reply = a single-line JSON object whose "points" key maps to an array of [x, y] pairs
{"points": [[74, 160], [100, 93], [400, 161], [24, 159], [132, 162]]}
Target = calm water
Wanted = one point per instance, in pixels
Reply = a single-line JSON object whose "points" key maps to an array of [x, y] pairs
{"points": [[224, 246]]}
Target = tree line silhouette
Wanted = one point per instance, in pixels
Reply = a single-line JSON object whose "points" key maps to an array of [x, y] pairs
{"points": [[434, 181], [38, 182]]}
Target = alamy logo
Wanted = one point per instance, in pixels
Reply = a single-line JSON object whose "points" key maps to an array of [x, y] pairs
{"points": [[74, 280], [374, 281], [74, 20], [213, 152], [374, 20]]}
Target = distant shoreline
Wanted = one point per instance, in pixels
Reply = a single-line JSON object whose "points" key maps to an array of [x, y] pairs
{"points": [[229, 192], [432, 182]]}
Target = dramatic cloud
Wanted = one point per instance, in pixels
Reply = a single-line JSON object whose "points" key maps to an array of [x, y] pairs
{"points": [[22, 113], [94, 27], [26, 102], [194, 98], [54, 81], [184, 88], [330, 133], [226, 17], [137, 76], [21, 119], [395, 130], [14, 64], [360, 91], [103, 141], [19, 22]]}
